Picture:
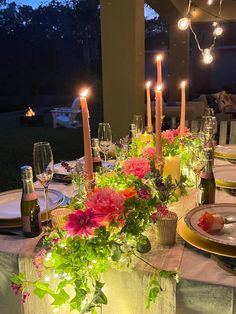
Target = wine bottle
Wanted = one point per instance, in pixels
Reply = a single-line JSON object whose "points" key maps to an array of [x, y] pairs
{"points": [[207, 181], [132, 132], [30, 210], [97, 162]]}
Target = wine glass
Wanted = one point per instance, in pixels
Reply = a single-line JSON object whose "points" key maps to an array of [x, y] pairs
{"points": [[105, 139], [197, 157], [138, 122], [43, 168]]}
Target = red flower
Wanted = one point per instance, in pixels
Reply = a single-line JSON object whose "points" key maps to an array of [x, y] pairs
{"points": [[83, 223], [211, 222], [106, 203]]}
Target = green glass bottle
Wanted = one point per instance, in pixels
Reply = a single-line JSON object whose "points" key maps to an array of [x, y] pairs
{"points": [[207, 181], [30, 210]]}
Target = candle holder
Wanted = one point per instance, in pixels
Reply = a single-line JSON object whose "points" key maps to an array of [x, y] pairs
{"points": [[165, 229], [90, 185], [58, 217]]}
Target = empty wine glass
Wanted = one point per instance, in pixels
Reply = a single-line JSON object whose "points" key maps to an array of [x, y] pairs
{"points": [[197, 157], [43, 168], [105, 139], [138, 122]]}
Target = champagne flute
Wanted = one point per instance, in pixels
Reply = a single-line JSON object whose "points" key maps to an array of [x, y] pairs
{"points": [[105, 139], [43, 168]]}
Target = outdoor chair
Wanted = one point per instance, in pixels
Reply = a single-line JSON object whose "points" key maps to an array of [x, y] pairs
{"points": [[67, 117]]}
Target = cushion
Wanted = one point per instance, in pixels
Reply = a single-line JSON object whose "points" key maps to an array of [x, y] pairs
{"points": [[225, 101], [213, 103]]}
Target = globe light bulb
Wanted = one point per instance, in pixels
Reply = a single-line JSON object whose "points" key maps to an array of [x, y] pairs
{"points": [[183, 23], [214, 24], [218, 31], [209, 2], [207, 56]]}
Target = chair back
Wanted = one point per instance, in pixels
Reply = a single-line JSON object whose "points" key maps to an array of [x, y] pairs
{"points": [[76, 105]]}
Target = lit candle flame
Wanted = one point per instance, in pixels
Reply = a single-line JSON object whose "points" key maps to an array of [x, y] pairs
{"points": [[84, 93], [148, 84], [183, 83], [159, 88], [159, 57]]}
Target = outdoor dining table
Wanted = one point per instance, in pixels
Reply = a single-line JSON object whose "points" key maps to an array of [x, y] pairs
{"points": [[203, 287]]}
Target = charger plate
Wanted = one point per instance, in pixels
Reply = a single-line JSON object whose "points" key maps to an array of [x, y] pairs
{"points": [[225, 151], [225, 176], [204, 244], [10, 215], [227, 235]]}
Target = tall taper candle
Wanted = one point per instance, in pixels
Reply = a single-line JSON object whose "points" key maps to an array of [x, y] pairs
{"points": [[159, 79], [158, 123], [183, 107], [87, 139], [149, 109]]}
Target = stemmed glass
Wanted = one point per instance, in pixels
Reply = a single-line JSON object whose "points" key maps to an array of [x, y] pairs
{"points": [[43, 168], [197, 157], [105, 139], [138, 122]]}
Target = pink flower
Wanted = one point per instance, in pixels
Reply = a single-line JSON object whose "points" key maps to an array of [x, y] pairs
{"points": [[38, 262], [168, 135], [211, 222], [137, 166], [150, 152], [161, 211], [82, 223], [106, 203], [177, 131]]}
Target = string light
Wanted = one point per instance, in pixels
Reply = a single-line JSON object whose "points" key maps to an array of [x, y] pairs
{"points": [[185, 23], [207, 56], [218, 31]]}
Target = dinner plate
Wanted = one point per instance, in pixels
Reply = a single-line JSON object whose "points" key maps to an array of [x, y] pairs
{"points": [[227, 235], [203, 244], [225, 151], [60, 170], [225, 176], [10, 205]]}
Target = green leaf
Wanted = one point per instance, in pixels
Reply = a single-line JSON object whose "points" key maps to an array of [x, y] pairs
{"points": [[144, 245], [99, 285], [153, 292], [44, 286], [99, 298], [116, 254], [60, 298], [40, 293], [167, 274]]}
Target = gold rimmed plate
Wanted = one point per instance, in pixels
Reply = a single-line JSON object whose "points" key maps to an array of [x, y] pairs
{"points": [[225, 151], [10, 215], [225, 176], [226, 236], [204, 244]]}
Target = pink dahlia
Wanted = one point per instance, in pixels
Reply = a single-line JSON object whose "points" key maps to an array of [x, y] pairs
{"points": [[137, 166], [106, 203], [168, 135], [82, 223], [150, 152]]}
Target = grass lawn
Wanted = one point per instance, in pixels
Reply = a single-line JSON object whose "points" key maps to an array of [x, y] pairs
{"points": [[17, 144]]}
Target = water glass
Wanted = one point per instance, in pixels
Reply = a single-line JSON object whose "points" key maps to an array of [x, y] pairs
{"points": [[138, 122], [105, 139]]}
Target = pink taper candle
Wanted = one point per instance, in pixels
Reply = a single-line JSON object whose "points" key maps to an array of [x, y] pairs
{"points": [[159, 79], [158, 123], [87, 139], [183, 108], [149, 110]]}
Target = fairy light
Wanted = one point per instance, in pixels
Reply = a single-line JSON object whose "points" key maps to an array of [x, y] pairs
{"points": [[185, 22], [56, 275], [56, 310], [47, 279], [218, 31], [207, 56], [48, 256]]}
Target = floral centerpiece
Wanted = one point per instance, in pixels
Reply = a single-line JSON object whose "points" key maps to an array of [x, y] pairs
{"points": [[107, 230]]}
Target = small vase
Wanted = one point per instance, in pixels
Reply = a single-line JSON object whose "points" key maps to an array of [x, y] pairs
{"points": [[165, 228]]}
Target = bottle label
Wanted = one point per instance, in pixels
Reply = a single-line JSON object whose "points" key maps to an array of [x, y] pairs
{"points": [[31, 224], [206, 198]]}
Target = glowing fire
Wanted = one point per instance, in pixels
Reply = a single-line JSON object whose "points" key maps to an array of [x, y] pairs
{"points": [[29, 112]]}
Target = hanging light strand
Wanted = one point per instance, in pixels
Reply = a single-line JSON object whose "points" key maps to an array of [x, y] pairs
{"points": [[185, 23]]}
